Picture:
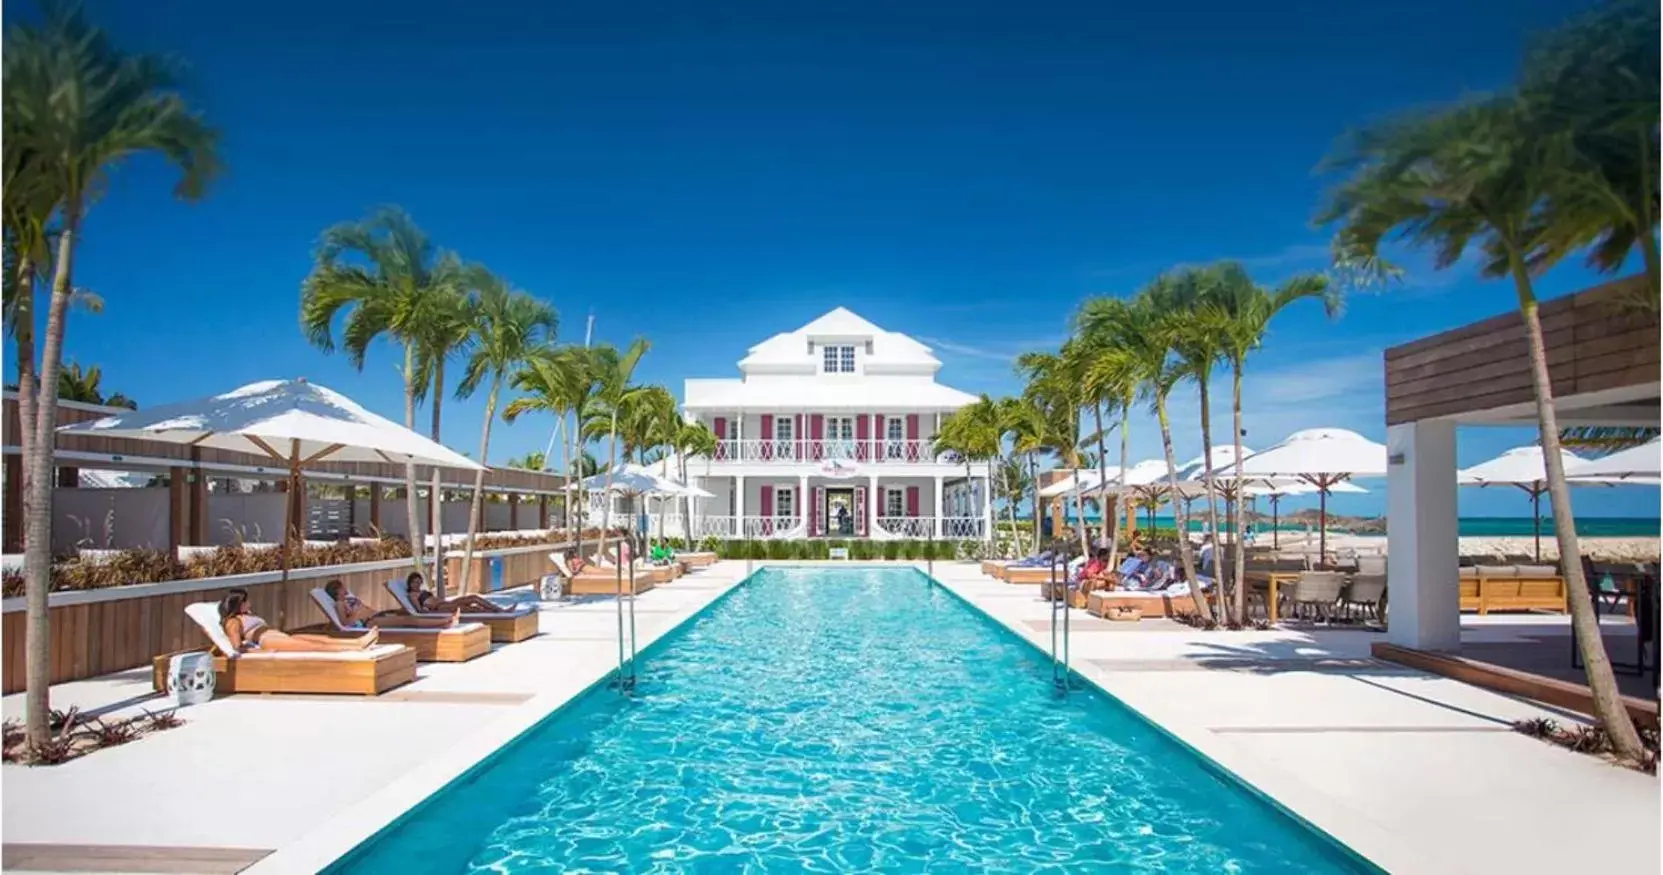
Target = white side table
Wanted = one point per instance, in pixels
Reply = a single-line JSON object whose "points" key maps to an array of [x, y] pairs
{"points": [[190, 678]]}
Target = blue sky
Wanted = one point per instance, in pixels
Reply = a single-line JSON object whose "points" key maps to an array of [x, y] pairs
{"points": [[708, 174]]}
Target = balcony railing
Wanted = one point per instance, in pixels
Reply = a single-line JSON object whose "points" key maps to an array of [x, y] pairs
{"points": [[805, 450], [723, 526]]}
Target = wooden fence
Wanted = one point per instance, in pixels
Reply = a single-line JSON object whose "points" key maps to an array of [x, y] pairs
{"points": [[96, 632]]}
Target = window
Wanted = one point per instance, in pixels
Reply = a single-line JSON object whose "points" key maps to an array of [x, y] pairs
{"points": [[785, 503], [894, 502], [784, 446], [837, 359]]}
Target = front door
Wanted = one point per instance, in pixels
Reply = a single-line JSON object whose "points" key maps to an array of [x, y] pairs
{"points": [[840, 513]]}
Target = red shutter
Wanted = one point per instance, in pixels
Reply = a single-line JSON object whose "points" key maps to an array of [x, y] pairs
{"points": [[911, 453], [819, 434], [798, 433], [721, 429], [767, 436], [767, 510], [912, 501], [860, 438], [814, 511], [878, 435], [860, 512]]}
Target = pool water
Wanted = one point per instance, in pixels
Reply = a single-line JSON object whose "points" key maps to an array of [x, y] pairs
{"points": [[850, 720]]}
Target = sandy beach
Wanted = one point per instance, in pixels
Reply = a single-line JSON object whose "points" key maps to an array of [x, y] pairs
{"points": [[1635, 549]]}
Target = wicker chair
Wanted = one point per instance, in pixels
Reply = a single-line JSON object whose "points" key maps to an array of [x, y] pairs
{"points": [[1366, 593], [1371, 565], [1316, 592]]}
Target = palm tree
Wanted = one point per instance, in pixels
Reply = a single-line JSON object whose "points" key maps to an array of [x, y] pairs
{"points": [[1055, 386], [559, 380], [613, 372], [393, 288], [1447, 178], [1245, 309], [532, 461], [1031, 434], [1161, 307], [447, 331], [76, 106], [1592, 90], [1109, 332], [691, 439], [1603, 439], [508, 327], [975, 433], [1013, 483]]}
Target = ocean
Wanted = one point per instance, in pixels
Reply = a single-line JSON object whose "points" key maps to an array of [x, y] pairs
{"points": [[1477, 526]]}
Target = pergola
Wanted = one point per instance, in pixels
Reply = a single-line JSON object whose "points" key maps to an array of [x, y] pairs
{"points": [[1603, 363]]}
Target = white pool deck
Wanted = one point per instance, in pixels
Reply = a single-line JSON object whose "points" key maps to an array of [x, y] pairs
{"points": [[1416, 772]]}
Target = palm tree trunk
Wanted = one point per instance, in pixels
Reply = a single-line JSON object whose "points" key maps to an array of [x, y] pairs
{"points": [[574, 520], [1010, 513], [475, 506], [1033, 483], [418, 547], [1212, 495], [611, 468], [37, 498], [987, 518], [1180, 517], [1648, 221], [1238, 553], [1111, 520], [26, 387], [436, 507], [1602, 683], [1125, 450], [1079, 507]]}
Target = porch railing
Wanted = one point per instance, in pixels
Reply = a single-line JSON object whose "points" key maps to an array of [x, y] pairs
{"points": [[724, 526], [806, 450], [907, 526]]}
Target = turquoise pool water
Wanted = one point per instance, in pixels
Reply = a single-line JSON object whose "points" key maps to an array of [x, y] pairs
{"points": [[853, 720]]}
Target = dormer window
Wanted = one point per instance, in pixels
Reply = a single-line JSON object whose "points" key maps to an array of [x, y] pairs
{"points": [[837, 359]]}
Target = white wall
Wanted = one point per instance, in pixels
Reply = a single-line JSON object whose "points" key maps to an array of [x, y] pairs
{"points": [[140, 519]]}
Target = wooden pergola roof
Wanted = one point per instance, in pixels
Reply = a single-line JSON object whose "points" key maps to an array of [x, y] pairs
{"points": [[1602, 361]]}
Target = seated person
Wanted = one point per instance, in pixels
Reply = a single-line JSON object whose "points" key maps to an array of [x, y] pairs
{"points": [[355, 614], [249, 632], [430, 603], [1208, 552], [1133, 563], [1096, 567], [575, 562]]}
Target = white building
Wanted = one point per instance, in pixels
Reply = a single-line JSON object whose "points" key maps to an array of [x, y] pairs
{"points": [[827, 432]]}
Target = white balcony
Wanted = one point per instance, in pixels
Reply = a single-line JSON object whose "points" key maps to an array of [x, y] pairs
{"points": [[790, 451]]}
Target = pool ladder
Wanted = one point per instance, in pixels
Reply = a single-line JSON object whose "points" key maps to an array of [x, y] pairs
{"points": [[1058, 591], [626, 652]]}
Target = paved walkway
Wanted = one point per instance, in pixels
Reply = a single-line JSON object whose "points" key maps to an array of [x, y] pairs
{"points": [[249, 774], [1418, 773]]}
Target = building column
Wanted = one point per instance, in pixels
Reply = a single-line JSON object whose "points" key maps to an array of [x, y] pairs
{"points": [[543, 511], [873, 503], [739, 507], [1422, 547], [987, 507], [375, 509], [513, 511], [351, 509], [803, 498], [178, 494], [940, 504], [198, 508]]}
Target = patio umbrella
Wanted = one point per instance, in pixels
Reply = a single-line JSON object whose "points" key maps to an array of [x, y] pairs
{"points": [[1526, 469], [1638, 465], [293, 422], [1322, 457]]}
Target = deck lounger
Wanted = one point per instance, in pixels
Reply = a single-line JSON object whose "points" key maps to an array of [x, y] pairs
{"points": [[507, 625], [458, 643], [697, 559], [366, 672], [1513, 588], [1153, 604], [599, 580]]}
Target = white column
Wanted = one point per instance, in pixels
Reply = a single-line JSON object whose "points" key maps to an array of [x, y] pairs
{"points": [[987, 507], [872, 504], [1422, 548], [802, 503], [940, 506], [739, 506]]}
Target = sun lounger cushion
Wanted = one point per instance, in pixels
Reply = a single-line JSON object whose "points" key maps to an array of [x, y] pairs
{"points": [[327, 605], [1469, 572], [1536, 572], [206, 615], [1494, 571]]}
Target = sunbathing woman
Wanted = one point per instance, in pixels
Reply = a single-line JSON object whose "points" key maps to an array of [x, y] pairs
{"points": [[354, 613], [249, 632], [427, 601]]}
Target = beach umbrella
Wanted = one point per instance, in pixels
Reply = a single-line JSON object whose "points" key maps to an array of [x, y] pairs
{"points": [[1321, 457], [1525, 468], [1639, 465], [292, 422]]}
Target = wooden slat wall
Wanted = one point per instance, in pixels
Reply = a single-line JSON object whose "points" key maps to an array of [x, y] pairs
{"points": [[1591, 346]]}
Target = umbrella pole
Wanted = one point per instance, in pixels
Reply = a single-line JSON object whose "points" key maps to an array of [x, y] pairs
{"points": [[1275, 528], [288, 509], [1322, 522]]}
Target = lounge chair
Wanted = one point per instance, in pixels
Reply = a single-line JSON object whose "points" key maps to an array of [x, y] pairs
{"points": [[366, 672], [1152, 604], [600, 580], [458, 643], [696, 558], [507, 625], [1513, 588]]}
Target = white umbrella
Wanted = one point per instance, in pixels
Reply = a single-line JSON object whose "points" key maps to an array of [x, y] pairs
{"points": [[1322, 457], [292, 422], [1526, 469], [1636, 465]]}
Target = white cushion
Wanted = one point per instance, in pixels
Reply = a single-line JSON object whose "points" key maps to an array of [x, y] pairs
{"points": [[206, 615], [367, 654]]}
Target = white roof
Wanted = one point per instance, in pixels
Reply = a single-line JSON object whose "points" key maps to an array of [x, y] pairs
{"points": [[279, 419], [890, 350], [1319, 452], [1639, 464], [824, 393]]}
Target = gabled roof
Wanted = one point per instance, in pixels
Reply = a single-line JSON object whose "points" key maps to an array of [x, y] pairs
{"points": [[841, 322], [889, 348]]}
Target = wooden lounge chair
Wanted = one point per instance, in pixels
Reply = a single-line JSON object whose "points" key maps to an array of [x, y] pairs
{"points": [[1153, 604], [507, 626], [697, 559], [1516, 588], [458, 643], [594, 580], [366, 672]]}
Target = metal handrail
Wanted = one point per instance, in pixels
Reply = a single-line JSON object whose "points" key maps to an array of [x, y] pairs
{"points": [[1060, 671]]}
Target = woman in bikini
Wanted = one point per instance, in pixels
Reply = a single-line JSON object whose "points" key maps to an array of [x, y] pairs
{"points": [[427, 601], [249, 632], [354, 613]]}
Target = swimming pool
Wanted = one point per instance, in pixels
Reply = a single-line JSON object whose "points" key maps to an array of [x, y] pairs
{"points": [[847, 720]]}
